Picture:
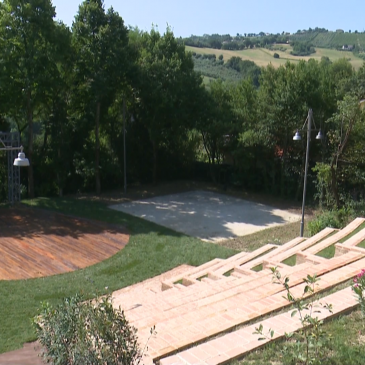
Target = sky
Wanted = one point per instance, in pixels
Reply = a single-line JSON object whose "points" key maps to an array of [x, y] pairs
{"points": [[198, 17]]}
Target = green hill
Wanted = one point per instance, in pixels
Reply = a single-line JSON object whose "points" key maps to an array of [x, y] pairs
{"points": [[263, 57], [332, 39]]}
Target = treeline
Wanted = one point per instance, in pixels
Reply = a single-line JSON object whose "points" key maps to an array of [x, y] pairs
{"points": [[69, 92], [238, 42], [251, 130], [302, 40]]}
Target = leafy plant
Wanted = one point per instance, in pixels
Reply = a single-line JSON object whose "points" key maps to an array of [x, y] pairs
{"points": [[359, 288], [311, 340], [86, 332]]}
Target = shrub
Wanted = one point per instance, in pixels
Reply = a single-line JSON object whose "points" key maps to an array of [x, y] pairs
{"points": [[337, 218], [276, 55], [82, 332]]}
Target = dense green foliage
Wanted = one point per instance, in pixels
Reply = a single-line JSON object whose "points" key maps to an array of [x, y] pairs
{"points": [[66, 94], [302, 49], [234, 70], [235, 42], [63, 91]]}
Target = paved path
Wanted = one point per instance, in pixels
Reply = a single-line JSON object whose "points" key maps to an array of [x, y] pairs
{"points": [[28, 355], [207, 215]]}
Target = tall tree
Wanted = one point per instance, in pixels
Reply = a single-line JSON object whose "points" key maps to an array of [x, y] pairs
{"points": [[166, 90], [101, 43], [26, 52]]}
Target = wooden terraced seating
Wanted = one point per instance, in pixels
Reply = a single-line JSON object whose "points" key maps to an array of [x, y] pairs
{"points": [[189, 306]]}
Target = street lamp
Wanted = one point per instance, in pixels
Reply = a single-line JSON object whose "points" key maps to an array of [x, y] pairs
{"points": [[21, 160], [297, 137]]}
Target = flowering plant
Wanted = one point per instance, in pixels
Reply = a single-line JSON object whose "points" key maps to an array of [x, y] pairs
{"points": [[359, 288]]}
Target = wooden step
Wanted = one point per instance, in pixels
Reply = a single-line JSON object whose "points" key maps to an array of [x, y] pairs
{"points": [[236, 344], [337, 236], [309, 242], [355, 239]]}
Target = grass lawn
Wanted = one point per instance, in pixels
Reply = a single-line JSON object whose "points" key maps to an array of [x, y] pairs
{"points": [[152, 249]]}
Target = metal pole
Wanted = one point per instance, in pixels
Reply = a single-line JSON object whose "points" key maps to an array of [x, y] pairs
{"points": [[124, 148], [310, 116]]}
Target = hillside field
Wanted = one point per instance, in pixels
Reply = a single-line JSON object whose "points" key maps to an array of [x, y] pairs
{"points": [[263, 56]]}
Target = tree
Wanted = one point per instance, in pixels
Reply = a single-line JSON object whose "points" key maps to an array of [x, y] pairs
{"points": [[345, 140], [285, 95], [166, 91], [55, 153], [216, 123], [27, 55], [101, 42]]}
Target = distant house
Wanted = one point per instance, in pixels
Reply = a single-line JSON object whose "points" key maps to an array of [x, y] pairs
{"points": [[340, 31], [346, 47]]}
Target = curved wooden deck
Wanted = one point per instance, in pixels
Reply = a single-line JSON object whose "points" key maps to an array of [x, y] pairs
{"points": [[36, 243]]}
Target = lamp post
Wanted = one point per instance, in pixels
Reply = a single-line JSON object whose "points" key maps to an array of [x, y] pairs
{"points": [[297, 137]]}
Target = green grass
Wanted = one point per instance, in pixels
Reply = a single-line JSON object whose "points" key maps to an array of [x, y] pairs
{"points": [[151, 250], [327, 252], [291, 261], [257, 268], [361, 244]]}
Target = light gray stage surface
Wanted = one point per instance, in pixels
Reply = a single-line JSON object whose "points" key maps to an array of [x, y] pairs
{"points": [[207, 215]]}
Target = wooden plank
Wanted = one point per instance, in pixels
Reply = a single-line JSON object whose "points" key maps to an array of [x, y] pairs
{"points": [[36, 243]]}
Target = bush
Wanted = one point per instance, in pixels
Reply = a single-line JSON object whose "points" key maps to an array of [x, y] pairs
{"points": [[276, 55], [333, 218], [82, 332]]}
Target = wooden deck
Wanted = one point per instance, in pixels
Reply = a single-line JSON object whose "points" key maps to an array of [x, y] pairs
{"points": [[35, 243]]}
